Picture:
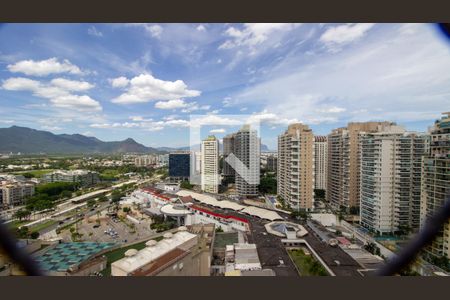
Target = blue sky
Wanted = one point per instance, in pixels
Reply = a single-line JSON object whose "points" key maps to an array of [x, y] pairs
{"points": [[143, 81]]}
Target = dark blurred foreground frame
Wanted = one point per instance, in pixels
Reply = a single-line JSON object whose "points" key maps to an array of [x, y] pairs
{"points": [[430, 11], [229, 288]]}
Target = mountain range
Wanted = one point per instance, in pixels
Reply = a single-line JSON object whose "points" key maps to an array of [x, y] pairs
{"points": [[27, 140], [31, 141]]}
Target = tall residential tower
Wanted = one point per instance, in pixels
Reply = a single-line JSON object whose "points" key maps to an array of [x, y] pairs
{"points": [[247, 148], [210, 165], [343, 183], [390, 179], [436, 183], [295, 171], [320, 161]]}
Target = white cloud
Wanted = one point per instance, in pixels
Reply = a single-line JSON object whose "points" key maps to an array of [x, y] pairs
{"points": [[94, 32], [253, 34], [171, 104], [44, 67], [153, 29], [81, 103], [119, 82], [72, 85], [88, 133], [7, 121], [227, 102], [219, 130], [51, 128], [194, 106], [382, 72], [57, 92], [145, 88], [201, 27], [344, 34], [331, 109]]}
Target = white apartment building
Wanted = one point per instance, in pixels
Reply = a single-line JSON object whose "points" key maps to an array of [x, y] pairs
{"points": [[321, 162], [210, 165], [343, 174], [84, 177], [247, 147], [390, 179], [436, 183], [15, 193], [146, 160], [295, 171]]}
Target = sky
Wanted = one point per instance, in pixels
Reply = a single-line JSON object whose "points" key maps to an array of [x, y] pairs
{"points": [[147, 81]]}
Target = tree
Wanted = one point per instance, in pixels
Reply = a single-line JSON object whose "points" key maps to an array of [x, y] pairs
{"points": [[22, 232], [301, 215], [22, 214], [91, 202], [126, 209], [102, 198], [372, 248], [116, 196], [186, 185], [66, 194], [268, 185], [34, 235]]}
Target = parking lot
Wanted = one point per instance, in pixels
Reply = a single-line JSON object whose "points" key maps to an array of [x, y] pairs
{"points": [[110, 229]]}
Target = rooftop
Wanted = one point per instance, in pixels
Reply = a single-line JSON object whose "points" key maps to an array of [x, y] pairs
{"points": [[66, 255], [154, 252], [223, 239]]}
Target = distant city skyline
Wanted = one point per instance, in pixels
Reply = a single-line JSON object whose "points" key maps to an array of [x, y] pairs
{"points": [[115, 81]]}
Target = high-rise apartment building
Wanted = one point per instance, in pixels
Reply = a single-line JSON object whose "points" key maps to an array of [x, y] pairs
{"points": [[320, 161], [210, 165], [247, 148], [390, 179], [343, 175], [228, 148], [272, 161], [436, 183], [295, 171]]}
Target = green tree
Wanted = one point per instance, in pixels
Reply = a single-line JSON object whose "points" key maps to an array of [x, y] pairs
{"points": [[22, 232], [186, 185], [116, 196], [301, 215], [102, 198], [91, 202], [66, 194], [268, 185], [22, 214], [34, 235]]}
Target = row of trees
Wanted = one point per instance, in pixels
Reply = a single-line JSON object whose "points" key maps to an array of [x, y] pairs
{"points": [[46, 195]]}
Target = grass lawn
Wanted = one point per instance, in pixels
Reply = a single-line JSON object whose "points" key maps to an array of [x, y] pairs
{"points": [[40, 226], [36, 173], [306, 264], [120, 253], [16, 223]]}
